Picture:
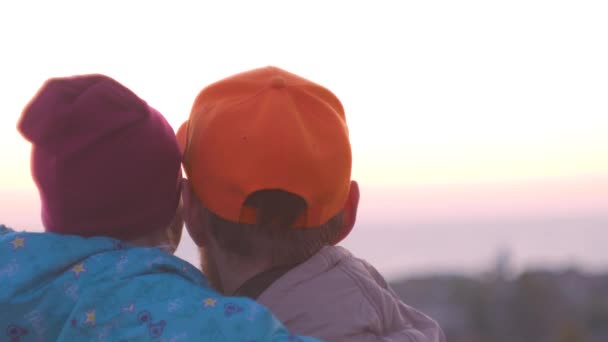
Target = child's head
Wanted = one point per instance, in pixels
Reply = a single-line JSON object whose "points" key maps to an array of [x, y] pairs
{"points": [[105, 163], [280, 188]]}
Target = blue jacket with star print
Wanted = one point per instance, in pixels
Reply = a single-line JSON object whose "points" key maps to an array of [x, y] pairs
{"points": [[69, 288]]}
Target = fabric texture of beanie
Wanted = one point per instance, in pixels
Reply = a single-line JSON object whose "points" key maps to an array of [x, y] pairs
{"points": [[105, 163]]}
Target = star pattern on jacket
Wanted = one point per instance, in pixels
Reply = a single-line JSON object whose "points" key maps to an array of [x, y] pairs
{"points": [[18, 242], [78, 268], [210, 302], [90, 317]]}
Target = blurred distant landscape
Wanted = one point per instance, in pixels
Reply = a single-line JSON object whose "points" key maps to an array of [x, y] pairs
{"points": [[534, 306]]}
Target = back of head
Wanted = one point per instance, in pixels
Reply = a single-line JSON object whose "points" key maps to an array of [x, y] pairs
{"points": [[105, 162], [268, 155]]}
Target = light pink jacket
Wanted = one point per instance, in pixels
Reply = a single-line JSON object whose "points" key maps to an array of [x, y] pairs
{"points": [[337, 297]]}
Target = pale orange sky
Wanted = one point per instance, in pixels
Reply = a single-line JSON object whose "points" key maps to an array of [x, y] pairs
{"points": [[450, 104]]}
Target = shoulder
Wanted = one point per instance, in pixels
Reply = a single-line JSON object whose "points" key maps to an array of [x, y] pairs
{"points": [[199, 315], [329, 287], [162, 296], [334, 286]]}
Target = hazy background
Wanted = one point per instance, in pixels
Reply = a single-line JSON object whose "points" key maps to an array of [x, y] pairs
{"points": [[479, 128]]}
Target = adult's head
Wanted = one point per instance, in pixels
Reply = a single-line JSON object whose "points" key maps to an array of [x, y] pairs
{"points": [[105, 163], [268, 159]]}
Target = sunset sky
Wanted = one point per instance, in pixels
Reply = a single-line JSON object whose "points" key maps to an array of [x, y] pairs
{"points": [[458, 110]]}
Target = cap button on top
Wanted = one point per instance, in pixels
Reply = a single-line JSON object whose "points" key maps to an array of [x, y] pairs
{"points": [[277, 82]]}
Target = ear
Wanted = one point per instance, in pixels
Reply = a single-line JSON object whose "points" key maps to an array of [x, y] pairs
{"points": [[349, 211], [193, 214]]}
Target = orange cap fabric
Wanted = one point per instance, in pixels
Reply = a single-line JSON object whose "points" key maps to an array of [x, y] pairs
{"points": [[267, 129]]}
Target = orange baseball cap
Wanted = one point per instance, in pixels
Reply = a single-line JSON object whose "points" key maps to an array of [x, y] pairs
{"points": [[267, 129]]}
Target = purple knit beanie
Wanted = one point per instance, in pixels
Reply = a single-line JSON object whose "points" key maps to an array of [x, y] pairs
{"points": [[105, 163]]}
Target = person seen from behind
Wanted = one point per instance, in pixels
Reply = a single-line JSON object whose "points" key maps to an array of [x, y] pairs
{"points": [[269, 196], [108, 170]]}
